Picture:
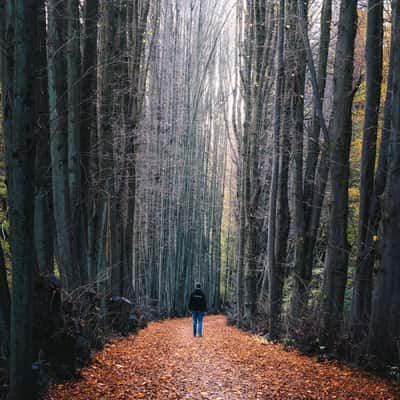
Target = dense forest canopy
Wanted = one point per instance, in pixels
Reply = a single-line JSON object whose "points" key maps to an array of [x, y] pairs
{"points": [[249, 145]]}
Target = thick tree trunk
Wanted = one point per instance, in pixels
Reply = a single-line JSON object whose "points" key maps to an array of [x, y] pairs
{"points": [[88, 115], [119, 106], [362, 284], [43, 186], [314, 178], [340, 132], [7, 74], [137, 77], [57, 70], [106, 154], [298, 143], [88, 135], [20, 157], [385, 318], [78, 236], [364, 276], [313, 148], [282, 207], [275, 278], [255, 60]]}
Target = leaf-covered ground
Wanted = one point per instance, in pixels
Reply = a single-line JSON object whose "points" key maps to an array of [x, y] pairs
{"points": [[165, 362]]}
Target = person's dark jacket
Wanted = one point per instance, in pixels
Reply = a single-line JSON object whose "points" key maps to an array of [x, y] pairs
{"points": [[198, 301]]}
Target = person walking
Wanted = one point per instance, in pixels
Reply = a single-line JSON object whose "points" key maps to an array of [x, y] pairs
{"points": [[198, 306]]}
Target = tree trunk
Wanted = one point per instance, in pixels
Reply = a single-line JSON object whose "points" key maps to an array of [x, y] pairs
{"points": [[366, 267], [88, 136], [275, 278], [255, 66], [43, 186], [298, 143], [57, 71], [106, 154], [20, 156], [313, 148], [88, 116], [74, 151], [385, 318], [137, 77], [373, 50], [4, 308], [7, 87], [315, 174], [340, 132]]}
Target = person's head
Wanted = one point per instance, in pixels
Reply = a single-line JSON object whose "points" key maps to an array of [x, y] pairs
{"points": [[198, 285]]}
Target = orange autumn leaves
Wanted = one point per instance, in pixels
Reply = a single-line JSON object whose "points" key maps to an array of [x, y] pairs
{"points": [[166, 362]]}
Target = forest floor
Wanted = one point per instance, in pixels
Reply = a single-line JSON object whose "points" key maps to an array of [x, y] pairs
{"points": [[165, 362]]}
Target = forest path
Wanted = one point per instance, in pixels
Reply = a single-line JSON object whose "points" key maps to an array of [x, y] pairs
{"points": [[165, 362]]}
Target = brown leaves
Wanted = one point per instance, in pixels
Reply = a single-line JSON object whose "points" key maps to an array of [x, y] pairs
{"points": [[165, 362]]}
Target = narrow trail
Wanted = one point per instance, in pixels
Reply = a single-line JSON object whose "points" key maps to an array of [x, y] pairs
{"points": [[165, 362]]}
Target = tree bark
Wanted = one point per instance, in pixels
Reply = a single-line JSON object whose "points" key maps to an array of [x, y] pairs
{"points": [[299, 74], [316, 174], [5, 307], [88, 135], [74, 152], [107, 257], [340, 135], [385, 318], [371, 253], [43, 185], [138, 77], [362, 290], [255, 66], [20, 156], [275, 278], [57, 71], [7, 87]]}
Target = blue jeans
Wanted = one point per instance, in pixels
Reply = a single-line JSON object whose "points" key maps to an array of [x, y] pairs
{"points": [[197, 317]]}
